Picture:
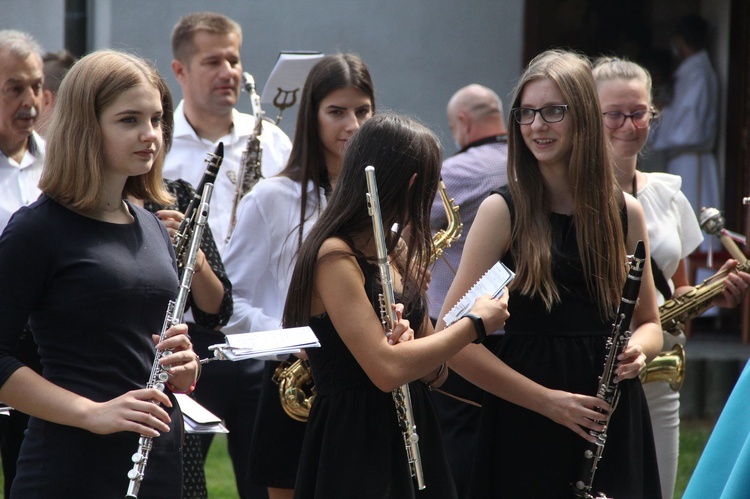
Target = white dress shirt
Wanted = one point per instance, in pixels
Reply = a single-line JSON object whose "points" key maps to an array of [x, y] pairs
{"points": [[19, 182], [262, 252], [687, 129], [186, 160]]}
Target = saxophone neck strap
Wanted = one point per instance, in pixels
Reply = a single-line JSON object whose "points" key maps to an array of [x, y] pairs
{"points": [[660, 281]]}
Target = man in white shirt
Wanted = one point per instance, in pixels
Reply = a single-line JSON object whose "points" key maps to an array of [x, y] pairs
{"points": [[21, 150], [208, 67], [206, 49], [21, 161]]}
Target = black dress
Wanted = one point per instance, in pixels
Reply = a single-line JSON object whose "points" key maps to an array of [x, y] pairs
{"points": [[93, 293], [353, 445], [524, 454]]}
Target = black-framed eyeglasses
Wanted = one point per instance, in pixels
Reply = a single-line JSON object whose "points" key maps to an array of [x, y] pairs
{"points": [[550, 114], [641, 119]]}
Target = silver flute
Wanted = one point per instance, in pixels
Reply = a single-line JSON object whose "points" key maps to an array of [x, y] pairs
{"points": [[175, 312], [401, 395]]}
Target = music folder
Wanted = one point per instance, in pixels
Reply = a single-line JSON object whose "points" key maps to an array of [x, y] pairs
{"points": [[493, 282], [198, 419], [265, 345]]}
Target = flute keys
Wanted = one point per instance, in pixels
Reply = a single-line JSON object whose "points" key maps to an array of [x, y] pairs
{"points": [[137, 458]]}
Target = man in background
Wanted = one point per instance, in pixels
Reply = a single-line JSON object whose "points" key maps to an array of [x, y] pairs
{"points": [[208, 67], [686, 131], [475, 116], [21, 161]]}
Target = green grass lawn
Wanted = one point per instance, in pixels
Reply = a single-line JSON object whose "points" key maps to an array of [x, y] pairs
{"points": [[220, 477], [693, 437]]}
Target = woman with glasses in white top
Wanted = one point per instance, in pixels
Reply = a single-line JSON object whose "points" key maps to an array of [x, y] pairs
{"points": [[624, 90]]}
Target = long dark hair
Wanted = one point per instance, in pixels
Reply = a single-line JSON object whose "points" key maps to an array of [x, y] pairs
{"points": [[398, 147], [307, 160], [597, 198]]}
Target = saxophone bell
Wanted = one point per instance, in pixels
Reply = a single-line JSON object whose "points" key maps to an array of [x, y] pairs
{"points": [[667, 366], [296, 388]]}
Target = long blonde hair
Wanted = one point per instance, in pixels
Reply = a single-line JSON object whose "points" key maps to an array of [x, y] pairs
{"points": [[597, 199], [75, 151]]}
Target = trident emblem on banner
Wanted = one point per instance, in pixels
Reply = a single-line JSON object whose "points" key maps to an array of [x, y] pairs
{"points": [[284, 99]]}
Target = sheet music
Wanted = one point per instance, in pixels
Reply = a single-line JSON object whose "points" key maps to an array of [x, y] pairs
{"points": [[197, 418], [493, 283], [267, 344], [289, 74]]}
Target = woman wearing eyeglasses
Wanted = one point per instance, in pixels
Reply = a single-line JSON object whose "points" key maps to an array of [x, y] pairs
{"points": [[624, 90], [565, 229]]}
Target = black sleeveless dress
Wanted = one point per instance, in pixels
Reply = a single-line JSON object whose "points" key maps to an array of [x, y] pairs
{"points": [[353, 445], [524, 454]]}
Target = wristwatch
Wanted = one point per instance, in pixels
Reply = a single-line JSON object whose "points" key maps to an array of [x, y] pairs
{"points": [[478, 326]]}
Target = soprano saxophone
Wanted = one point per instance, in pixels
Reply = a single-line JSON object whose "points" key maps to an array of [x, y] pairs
{"points": [[609, 390], [401, 395], [250, 170], [190, 238]]}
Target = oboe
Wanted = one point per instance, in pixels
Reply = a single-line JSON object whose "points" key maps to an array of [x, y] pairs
{"points": [[192, 236], [609, 390], [401, 395]]}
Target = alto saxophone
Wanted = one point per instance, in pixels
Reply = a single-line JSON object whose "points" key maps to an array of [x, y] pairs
{"points": [[675, 312], [667, 366], [670, 366], [250, 171], [444, 237], [401, 395], [191, 237], [609, 389], [296, 386]]}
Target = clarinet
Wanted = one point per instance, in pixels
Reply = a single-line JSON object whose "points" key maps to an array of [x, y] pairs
{"points": [[175, 311], [609, 390], [401, 396], [249, 172], [182, 236]]}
